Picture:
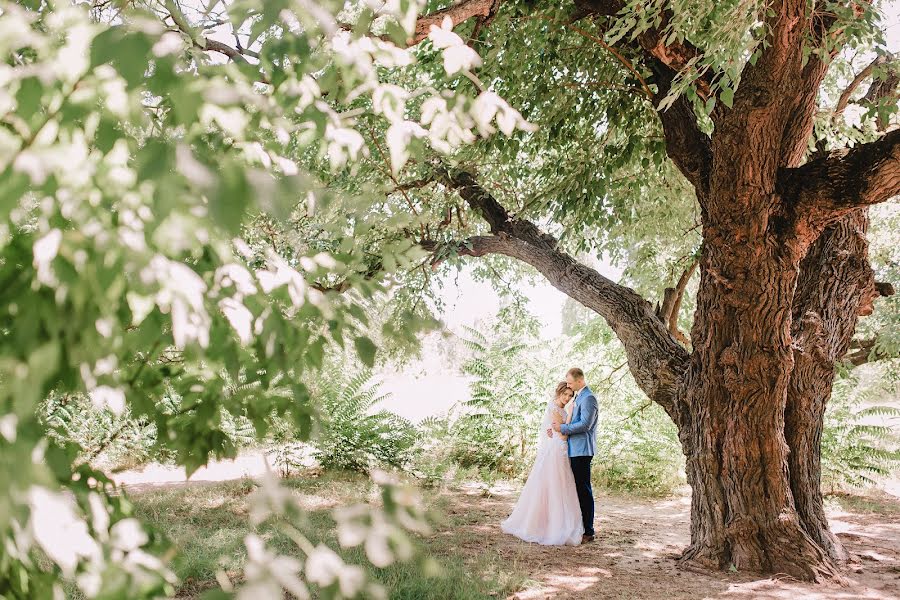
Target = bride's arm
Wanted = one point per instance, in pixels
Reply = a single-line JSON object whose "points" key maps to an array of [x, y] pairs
{"points": [[559, 419]]}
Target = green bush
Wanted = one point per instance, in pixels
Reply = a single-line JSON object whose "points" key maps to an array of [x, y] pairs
{"points": [[496, 429], [101, 437], [354, 438], [637, 448]]}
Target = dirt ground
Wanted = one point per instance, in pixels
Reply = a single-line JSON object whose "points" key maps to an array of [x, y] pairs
{"points": [[633, 556]]}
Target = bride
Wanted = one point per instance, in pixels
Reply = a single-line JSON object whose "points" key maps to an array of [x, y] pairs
{"points": [[547, 511]]}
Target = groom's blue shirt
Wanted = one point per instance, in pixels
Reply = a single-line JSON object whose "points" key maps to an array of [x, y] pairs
{"points": [[582, 429]]}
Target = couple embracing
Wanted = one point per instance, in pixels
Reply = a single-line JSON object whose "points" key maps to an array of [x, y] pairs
{"points": [[556, 506]]}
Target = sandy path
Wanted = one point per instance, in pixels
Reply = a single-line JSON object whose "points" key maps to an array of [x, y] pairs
{"points": [[633, 555], [249, 463]]}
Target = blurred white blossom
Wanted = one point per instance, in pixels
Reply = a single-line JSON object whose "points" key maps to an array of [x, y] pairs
{"points": [[344, 144], [59, 531], [45, 250], [457, 55], [106, 397]]}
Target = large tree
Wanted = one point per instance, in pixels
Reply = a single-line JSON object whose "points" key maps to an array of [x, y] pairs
{"points": [[737, 98]]}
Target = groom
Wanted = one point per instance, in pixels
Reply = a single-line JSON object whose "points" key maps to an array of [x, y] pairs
{"points": [[582, 429]]}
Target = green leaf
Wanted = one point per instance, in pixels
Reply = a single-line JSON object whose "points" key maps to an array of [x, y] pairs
{"points": [[727, 97], [127, 51], [366, 350]]}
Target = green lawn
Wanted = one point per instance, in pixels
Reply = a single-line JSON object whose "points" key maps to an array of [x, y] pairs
{"points": [[207, 525]]}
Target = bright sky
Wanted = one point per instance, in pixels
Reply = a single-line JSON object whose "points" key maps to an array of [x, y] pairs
{"points": [[468, 302]]}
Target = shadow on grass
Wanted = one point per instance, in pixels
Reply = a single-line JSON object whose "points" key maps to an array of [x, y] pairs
{"points": [[207, 525]]}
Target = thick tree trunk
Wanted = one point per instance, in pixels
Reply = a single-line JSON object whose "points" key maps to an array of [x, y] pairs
{"points": [[742, 511], [836, 285]]}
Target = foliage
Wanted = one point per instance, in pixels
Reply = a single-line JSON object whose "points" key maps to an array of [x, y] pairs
{"points": [[881, 327], [354, 435], [286, 452], [496, 428], [130, 163], [638, 449], [860, 439], [120, 441], [103, 437]]}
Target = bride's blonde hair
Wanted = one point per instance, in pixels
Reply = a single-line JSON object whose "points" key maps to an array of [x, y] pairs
{"points": [[561, 387]]}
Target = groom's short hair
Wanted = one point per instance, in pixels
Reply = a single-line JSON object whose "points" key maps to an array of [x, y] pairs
{"points": [[576, 373]]}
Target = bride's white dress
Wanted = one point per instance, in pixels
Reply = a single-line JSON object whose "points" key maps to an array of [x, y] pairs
{"points": [[547, 511]]}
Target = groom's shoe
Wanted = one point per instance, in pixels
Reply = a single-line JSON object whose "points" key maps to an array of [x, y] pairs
{"points": [[586, 538]]}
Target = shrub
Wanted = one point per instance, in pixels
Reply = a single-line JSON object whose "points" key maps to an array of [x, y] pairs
{"points": [[353, 437]]}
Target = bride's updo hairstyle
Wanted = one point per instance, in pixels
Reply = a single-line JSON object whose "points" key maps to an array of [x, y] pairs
{"points": [[561, 387]]}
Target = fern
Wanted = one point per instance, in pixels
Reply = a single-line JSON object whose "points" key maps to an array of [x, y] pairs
{"points": [[356, 437], [859, 443]]}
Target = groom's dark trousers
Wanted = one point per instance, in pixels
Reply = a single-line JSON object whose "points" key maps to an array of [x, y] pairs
{"points": [[581, 468]]}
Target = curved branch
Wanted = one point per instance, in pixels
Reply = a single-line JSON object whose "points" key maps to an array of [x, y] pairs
{"points": [[235, 54], [844, 100], [656, 360], [459, 12]]}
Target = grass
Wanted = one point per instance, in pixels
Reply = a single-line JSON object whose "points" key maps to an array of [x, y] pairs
{"points": [[864, 501], [207, 525]]}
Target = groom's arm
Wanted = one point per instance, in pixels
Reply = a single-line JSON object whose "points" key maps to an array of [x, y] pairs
{"points": [[587, 418]]}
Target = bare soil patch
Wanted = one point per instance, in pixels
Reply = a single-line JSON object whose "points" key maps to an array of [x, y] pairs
{"points": [[633, 556]]}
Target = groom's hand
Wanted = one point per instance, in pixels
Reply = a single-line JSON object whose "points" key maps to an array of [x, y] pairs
{"points": [[556, 427]]}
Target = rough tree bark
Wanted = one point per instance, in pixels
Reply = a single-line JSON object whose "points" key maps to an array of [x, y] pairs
{"points": [[836, 285]]}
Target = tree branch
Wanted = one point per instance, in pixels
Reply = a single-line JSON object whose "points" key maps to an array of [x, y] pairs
{"points": [[844, 100], [201, 41], [882, 88], [459, 12], [844, 179], [232, 53], [655, 359], [687, 146], [863, 352], [671, 304]]}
